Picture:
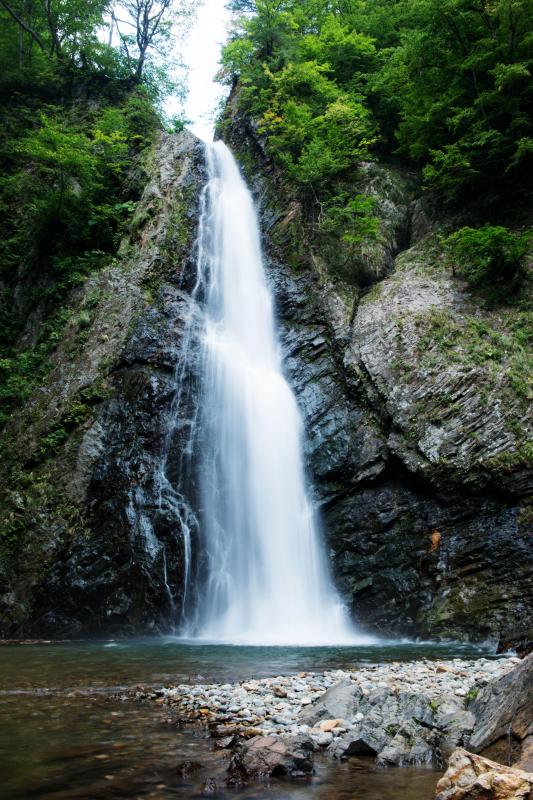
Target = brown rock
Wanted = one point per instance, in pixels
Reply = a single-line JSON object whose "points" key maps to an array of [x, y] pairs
{"points": [[526, 757], [471, 777], [251, 732], [434, 538], [330, 725], [271, 755]]}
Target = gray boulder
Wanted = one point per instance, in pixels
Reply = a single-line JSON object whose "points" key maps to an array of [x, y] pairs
{"points": [[410, 747], [504, 712], [338, 702], [363, 741]]}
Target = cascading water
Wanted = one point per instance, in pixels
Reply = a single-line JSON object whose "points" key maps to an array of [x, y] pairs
{"points": [[266, 579]]}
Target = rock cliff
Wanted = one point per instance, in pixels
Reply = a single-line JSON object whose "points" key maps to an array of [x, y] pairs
{"points": [[95, 519], [418, 416], [417, 436]]}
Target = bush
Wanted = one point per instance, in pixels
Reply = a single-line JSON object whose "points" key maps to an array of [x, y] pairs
{"points": [[487, 256]]}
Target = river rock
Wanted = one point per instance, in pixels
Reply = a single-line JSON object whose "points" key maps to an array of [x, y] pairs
{"points": [[471, 777], [270, 755], [410, 747], [338, 702], [363, 741], [226, 742], [187, 768], [329, 725]]}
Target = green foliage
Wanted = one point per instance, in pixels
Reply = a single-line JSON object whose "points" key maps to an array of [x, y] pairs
{"points": [[434, 705], [499, 350], [70, 179], [22, 370], [78, 412], [471, 695], [61, 40], [445, 83], [63, 189], [488, 255], [350, 219], [300, 87]]}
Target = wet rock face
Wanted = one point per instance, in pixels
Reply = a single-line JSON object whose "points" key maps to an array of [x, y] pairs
{"points": [[141, 492], [414, 460], [119, 565], [413, 550], [414, 438]]}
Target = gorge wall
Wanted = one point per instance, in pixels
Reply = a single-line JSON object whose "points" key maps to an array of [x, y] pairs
{"points": [[417, 438]]}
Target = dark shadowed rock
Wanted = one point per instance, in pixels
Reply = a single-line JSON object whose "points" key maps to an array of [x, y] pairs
{"points": [[363, 741], [106, 551], [270, 755], [210, 786], [187, 768]]}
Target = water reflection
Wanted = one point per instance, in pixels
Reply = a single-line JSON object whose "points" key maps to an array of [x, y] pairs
{"points": [[93, 747], [64, 735]]}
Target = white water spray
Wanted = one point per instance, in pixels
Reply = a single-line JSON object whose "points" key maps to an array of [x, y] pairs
{"points": [[266, 579]]}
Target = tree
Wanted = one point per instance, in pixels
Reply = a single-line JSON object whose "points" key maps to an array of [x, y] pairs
{"points": [[60, 28], [148, 26], [447, 81]]}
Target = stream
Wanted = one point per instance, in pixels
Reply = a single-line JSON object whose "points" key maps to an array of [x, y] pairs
{"points": [[64, 732]]}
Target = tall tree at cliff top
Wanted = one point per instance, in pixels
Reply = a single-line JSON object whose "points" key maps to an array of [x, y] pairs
{"points": [[443, 83], [69, 33], [64, 29], [149, 32]]}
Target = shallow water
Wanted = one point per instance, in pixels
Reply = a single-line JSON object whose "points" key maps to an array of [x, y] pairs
{"points": [[169, 660], [64, 735]]}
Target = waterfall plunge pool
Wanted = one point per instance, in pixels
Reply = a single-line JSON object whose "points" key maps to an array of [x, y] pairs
{"points": [[64, 735]]}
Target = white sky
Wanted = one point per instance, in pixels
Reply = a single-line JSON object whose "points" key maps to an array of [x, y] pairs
{"points": [[202, 54]]}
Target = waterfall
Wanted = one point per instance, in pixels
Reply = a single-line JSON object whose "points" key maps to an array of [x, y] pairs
{"points": [[265, 574]]}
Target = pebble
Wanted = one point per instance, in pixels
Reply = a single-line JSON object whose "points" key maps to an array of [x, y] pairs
{"points": [[274, 704]]}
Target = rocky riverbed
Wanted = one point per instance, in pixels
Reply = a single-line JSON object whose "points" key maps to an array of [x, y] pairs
{"points": [[403, 714]]}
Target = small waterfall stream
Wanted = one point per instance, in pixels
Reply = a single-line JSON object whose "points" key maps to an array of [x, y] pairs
{"points": [[265, 578]]}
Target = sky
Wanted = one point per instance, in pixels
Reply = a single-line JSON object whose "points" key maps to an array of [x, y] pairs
{"points": [[202, 54]]}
